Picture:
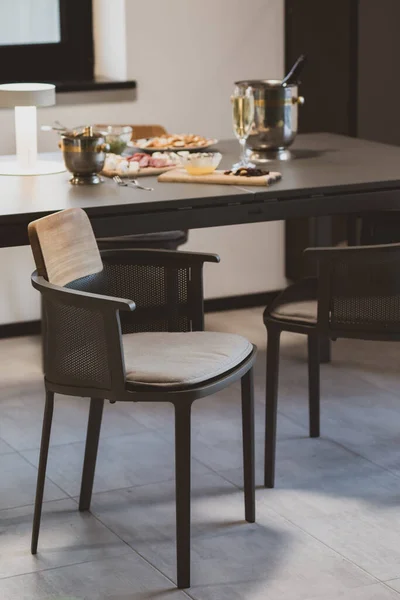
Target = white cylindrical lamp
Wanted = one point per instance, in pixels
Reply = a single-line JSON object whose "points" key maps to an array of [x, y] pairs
{"points": [[24, 98]]}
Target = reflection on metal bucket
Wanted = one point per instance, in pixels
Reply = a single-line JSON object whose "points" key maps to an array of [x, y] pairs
{"points": [[275, 119]]}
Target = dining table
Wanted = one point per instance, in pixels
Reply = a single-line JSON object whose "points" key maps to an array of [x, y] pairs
{"points": [[328, 174]]}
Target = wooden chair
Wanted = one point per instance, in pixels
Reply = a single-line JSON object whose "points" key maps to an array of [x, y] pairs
{"points": [[128, 326], [147, 131], [142, 131], [167, 240], [356, 295]]}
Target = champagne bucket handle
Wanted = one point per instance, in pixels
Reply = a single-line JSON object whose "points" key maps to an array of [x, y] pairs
{"points": [[105, 147]]}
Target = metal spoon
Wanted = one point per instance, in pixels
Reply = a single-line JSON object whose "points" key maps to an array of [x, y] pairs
{"points": [[293, 75], [60, 128], [141, 187]]}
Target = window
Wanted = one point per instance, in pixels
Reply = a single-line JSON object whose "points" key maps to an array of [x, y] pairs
{"points": [[46, 41], [30, 22]]}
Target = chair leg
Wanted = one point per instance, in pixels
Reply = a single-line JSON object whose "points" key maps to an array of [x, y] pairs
{"points": [[43, 332], [182, 486], [324, 350], [92, 444], [271, 403], [248, 446], [313, 384], [44, 452]]}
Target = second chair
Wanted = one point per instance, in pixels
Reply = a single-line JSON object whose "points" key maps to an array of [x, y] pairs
{"points": [[356, 295]]}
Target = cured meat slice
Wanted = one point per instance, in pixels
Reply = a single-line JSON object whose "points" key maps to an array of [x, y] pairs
{"points": [[144, 161]]}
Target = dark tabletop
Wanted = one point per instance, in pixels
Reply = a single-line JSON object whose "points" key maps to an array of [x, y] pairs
{"points": [[329, 174], [323, 163]]}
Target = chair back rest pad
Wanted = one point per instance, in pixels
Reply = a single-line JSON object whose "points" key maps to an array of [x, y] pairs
{"points": [[64, 246]]}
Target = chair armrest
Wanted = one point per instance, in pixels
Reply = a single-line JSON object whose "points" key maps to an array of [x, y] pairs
{"points": [[172, 258], [81, 299], [354, 254]]}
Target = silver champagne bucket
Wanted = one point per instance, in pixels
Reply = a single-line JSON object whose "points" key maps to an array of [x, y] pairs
{"points": [[275, 119]]}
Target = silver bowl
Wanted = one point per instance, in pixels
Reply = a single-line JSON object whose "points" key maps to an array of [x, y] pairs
{"points": [[117, 136], [84, 155]]}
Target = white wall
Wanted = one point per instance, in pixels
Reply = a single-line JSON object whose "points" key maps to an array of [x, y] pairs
{"points": [[110, 34], [185, 74], [185, 57]]}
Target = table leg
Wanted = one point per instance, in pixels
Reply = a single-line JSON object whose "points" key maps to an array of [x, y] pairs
{"points": [[321, 231], [353, 233], [324, 350], [321, 235]]}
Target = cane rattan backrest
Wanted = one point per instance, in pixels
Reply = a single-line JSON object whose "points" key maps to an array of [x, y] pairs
{"points": [[163, 293], [359, 290], [366, 295], [64, 246]]}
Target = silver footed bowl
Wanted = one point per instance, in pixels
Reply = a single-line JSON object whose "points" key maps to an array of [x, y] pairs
{"points": [[84, 156]]}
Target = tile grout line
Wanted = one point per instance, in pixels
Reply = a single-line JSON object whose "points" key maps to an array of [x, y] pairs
{"points": [[384, 583], [48, 479], [341, 445], [136, 552], [102, 436], [285, 518], [73, 564], [297, 526], [85, 562], [20, 454], [129, 487], [21, 506], [385, 470], [345, 558], [130, 549]]}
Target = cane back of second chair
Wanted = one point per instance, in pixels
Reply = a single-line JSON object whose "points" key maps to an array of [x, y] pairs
{"points": [[359, 290]]}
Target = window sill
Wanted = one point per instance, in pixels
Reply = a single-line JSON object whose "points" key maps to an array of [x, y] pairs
{"points": [[98, 90], [97, 85]]}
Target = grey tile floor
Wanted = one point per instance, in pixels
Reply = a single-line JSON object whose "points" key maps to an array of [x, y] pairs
{"points": [[330, 530]]}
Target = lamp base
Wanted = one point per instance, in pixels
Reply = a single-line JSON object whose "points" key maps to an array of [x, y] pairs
{"points": [[10, 166]]}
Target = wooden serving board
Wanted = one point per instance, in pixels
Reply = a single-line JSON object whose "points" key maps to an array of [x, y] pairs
{"points": [[146, 171], [218, 177]]}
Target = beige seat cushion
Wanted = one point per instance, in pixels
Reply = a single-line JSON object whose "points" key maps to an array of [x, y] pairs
{"points": [[297, 303], [181, 359], [305, 311]]}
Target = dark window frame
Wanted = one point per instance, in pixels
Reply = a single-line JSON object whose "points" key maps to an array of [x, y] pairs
{"points": [[70, 60]]}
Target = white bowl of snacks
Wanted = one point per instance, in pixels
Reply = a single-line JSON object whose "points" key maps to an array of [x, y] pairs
{"points": [[200, 163]]}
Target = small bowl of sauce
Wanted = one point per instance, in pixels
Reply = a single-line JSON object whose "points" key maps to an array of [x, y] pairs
{"points": [[200, 163]]}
